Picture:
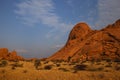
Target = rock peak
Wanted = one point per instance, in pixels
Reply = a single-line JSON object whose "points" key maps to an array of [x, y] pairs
{"points": [[79, 31], [86, 44]]}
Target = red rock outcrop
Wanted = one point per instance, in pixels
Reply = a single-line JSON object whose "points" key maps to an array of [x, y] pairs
{"points": [[5, 54], [86, 44]]}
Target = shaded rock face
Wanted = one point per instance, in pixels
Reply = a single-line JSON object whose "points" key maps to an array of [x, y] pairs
{"points": [[86, 44], [5, 54]]}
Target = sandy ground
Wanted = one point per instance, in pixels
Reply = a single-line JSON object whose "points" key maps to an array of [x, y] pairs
{"points": [[60, 71]]}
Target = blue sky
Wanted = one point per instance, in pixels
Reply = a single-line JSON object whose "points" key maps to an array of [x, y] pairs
{"points": [[38, 28]]}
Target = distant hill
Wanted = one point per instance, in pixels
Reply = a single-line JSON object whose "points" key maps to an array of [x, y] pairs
{"points": [[87, 44], [5, 54]]}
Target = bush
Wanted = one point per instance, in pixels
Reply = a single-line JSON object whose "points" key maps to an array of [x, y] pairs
{"points": [[63, 69], [13, 68], [48, 67], [108, 65], [80, 67], [25, 71], [46, 62], [3, 63], [116, 60], [116, 67], [57, 65], [37, 63], [95, 69], [74, 71], [17, 65]]}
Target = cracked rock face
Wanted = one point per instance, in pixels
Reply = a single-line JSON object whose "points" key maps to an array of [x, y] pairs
{"points": [[86, 44]]}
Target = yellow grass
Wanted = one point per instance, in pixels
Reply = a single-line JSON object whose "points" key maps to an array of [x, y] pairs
{"points": [[28, 72]]}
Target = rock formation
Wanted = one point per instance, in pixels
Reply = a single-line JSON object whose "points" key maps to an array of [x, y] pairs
{"points": [[5, 54], [86, 44]]}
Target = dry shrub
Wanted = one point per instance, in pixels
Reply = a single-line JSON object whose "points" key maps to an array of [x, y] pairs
{"points": [[98, 63], [116, 67], [72, 63], [25, 71], [58, 65], [17, 65], [63, 69], [117, 60], [46, 62], [108, 65], [48, 67], [3, 63], [13, 68], [37, 63], [95, 69], [80, 67], [74, 71]]}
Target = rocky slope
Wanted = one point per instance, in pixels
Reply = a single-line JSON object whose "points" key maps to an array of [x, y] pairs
{"points": [[87, 44], [5, 54]]}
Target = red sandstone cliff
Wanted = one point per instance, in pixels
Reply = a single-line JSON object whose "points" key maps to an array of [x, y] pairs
{"points": [[86, 44]]}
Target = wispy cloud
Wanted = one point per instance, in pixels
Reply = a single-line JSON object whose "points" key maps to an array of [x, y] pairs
{"points": [[109, 11], [58, 46], [32, 12], [70, 2], [22, 50]]}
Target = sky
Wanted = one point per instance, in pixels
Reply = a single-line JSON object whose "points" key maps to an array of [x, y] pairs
{"points": [[39, 28]]}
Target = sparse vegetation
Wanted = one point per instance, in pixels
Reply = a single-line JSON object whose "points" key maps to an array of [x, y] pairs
{"points": [[37, 63], [13, 68], [16, 64], [48, 67], [3, 63], [95, 69], [63, 69], [102, 70], [80, 67], [58, 65], [108, 65]]}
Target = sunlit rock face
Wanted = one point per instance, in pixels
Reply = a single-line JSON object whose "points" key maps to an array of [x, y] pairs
{"points": [[5, 54], [87, 44]]}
